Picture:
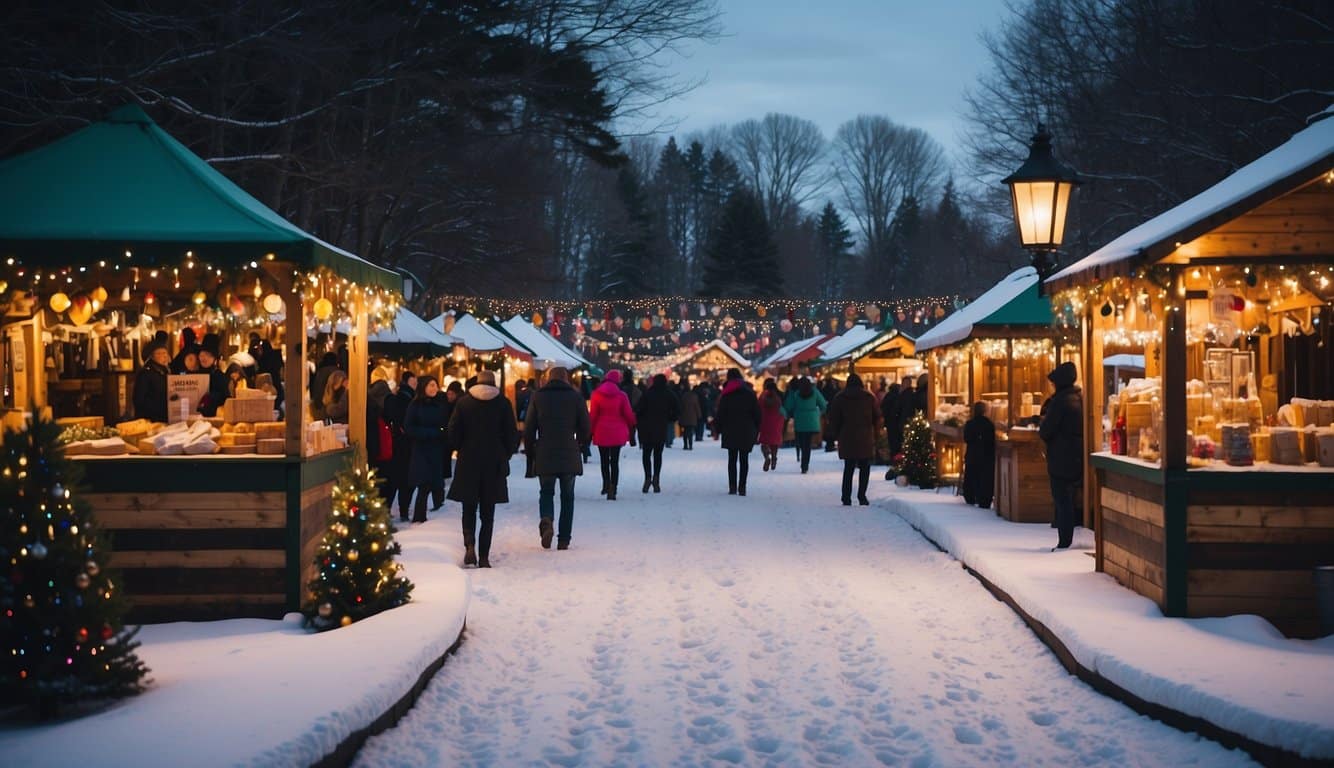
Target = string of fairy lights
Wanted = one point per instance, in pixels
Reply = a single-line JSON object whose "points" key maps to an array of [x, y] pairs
{"points": [[628, 332]]}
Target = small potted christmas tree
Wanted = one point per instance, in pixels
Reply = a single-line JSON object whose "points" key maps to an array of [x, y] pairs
{"points": [[356, 575], [61, 637], [919, 456]]}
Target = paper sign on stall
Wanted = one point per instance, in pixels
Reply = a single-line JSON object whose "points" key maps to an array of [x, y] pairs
{"points": [[183, 395]]}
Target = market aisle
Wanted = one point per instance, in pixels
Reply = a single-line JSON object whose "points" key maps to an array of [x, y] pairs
{"points": [[695, 628]]}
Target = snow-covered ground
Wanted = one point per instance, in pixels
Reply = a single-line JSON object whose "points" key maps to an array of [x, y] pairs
{"points": [[257, 692], [697, 628], [1238, 672]]}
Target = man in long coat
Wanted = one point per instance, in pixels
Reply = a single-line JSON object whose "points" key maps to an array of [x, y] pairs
{"points": [[482, 429], [556, 429]]}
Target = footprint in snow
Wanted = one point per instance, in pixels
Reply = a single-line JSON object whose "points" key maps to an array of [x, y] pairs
{"points": [[1042, 718], [965, 735]]}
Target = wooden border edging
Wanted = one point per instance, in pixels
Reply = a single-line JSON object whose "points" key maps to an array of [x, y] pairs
{"points": [[347, 749], [1263, 753]]}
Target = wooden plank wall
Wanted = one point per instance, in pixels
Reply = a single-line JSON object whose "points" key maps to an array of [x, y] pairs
{"points": [[1022, 485], [1133, 549], [316, 504], [197, 555], [1253, 552]]}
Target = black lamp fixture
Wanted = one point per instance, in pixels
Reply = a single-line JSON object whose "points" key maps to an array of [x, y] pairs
{"points": [[1040, 193]]}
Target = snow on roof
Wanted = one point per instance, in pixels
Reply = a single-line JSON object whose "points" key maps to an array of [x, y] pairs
{"points": [[547, 352], [788, 351], [989, 309], [411, 329], [844, 343], [1295, 162], [718, 344]]}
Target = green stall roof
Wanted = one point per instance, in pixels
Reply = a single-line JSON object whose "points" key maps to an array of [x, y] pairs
{"points": [[1014, 301], [124, 184]]}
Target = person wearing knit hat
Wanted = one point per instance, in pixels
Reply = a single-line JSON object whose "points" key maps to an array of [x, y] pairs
{"points": [[738, 420], [1062, 429]]}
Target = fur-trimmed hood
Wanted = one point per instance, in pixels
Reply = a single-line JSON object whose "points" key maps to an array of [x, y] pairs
{"points": [[483, 392]]}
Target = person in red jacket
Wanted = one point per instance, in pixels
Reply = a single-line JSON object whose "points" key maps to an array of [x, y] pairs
{"points": [[611, 419]]}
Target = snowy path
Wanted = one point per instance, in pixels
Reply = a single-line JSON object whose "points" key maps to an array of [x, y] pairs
{"points": [[696, 628]]}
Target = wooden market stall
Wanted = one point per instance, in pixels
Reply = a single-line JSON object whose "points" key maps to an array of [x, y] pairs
{"points": [[547, 350], [490, 349], [870, 354], [117, 232], [1212, 477], [410, 343], [791, 359], [998, 350], [710, 361]]}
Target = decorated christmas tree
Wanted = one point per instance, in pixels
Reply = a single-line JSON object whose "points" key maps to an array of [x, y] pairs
{"points": [[356, 573], [61, 637], [919, 456]]}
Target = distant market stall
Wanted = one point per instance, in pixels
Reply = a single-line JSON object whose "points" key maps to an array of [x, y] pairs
{"points": [[115, 233], [1212, 476], [998, 350], [791, 359], [871, 354]]}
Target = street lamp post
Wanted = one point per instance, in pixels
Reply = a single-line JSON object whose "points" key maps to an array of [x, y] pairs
{"points": [[1040, 193]]}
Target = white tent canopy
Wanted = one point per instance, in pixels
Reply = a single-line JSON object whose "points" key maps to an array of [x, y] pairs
{"points": [[476, 335], [409, 333], [547, 351], [788, 351]]}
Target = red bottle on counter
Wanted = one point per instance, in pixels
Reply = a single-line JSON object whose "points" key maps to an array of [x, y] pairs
{"points": [[1119, 437]]}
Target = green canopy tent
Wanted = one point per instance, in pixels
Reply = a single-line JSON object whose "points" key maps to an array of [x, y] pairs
{"points": [[124, 186]]}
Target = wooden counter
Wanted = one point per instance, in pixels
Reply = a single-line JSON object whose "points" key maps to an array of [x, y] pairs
{"points": [[1217, 543], [201, 538], [1023, 490]]}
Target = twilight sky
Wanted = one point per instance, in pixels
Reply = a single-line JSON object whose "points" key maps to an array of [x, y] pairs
{"points": [[832, 60]]}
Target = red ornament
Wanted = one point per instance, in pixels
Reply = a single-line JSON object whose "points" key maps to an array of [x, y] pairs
{"points": [[107, 632], [83, 634]]}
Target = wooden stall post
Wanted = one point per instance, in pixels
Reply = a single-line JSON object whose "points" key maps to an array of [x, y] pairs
{"points": [[1173, 452], [358, 354], [294, 368]]}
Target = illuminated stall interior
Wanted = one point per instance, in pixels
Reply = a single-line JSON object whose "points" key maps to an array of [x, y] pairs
{"points": [[999, 349], [115, 233], [791, 359], [871, 354], [1212, 474]]}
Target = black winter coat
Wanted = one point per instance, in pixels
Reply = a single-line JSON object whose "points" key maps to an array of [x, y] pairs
{"points": [[656, 409], [150, 392], [425, 426], [482, 429], [1062, 430], [217, 392], [395, 415], [737, 418], [904, 406], [979, 461], [691, 412], [556, 429]]}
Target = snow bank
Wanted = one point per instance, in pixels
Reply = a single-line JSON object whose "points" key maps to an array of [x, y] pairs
{"points": [[1238, 673], [254, 691]]}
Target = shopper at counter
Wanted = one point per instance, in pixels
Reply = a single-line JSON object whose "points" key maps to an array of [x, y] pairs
{"points": [[1063, 431], [217, 382], [150, 386]]}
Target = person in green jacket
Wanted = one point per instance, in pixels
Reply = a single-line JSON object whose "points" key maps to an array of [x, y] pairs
{"points": [[805, 404]]}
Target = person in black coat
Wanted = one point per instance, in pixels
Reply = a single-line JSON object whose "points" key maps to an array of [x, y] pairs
{"points": [[903, 411], [887, 405], [425, 425], [654, 414], [376, 452], [395, 414], [1062, 429], [555, 430], [482, 429], [738, 420], [919, 402], [979, 459], [218, 389], [829, 389], [452, 394], [150, 386]]}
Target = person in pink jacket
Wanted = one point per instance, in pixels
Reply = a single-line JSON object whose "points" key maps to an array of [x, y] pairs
{"points": [[611, 419]]}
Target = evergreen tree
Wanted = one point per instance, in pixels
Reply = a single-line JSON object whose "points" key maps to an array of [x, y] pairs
{"points": [[632, 263], [919, 456], [61, 635], [356, 575], [834, 243], [741, 257], [905, 262], [673, 208]]}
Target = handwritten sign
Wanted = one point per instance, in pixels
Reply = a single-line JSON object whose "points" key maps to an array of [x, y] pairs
{"points": [[183, 395]]}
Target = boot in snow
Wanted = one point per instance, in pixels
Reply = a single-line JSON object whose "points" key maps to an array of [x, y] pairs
{"points": [[470, 555], [544, 529]]}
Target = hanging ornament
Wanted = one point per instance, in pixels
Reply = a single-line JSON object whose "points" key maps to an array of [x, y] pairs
{"points": [[901, 315], [82, 581], [324, 610], [58, 302], [850, 311], [91, 567], [199, 298], [345, 621], [618, 322], [323, 309], [38, 550], [236, 306], [873, 314], [939, 311], [57, 491], [646, 324], [99, 295], [537, 319], [107, 632], [685, 326], [125, 294], [786, 325], [81, 310], [715, 310], [762, 310], [684, 310], [273, 304], [82, 635], [149, 298], [353, 555]]}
